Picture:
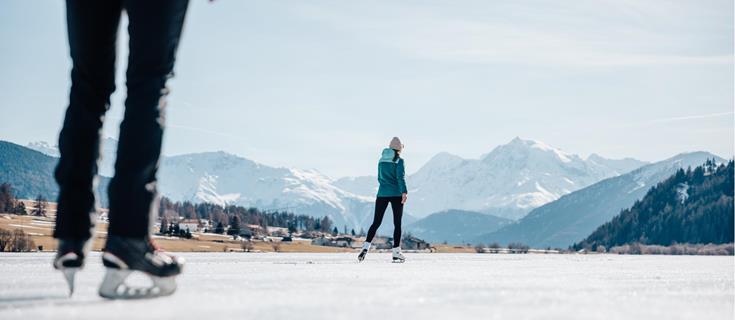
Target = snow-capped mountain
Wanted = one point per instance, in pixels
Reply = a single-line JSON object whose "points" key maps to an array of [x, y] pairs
{"points": [[45, 148], [220, 178], [363, 185], [508, 182], [574, 216], [107, 154]]}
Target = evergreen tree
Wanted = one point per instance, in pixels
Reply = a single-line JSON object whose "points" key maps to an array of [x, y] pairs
{"points": [[326, 224], [7, 201], [291, 227], [335, 231], [220, 229], [235, 223]]}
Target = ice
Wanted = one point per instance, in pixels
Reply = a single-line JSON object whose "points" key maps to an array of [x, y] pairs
{"points": [[427, 286]]}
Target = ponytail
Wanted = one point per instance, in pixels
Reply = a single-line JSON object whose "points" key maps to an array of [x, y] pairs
{"points": [[396, 156]]}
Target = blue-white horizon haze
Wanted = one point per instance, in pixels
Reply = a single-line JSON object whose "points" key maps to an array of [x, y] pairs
{"points": [[326, 84]]}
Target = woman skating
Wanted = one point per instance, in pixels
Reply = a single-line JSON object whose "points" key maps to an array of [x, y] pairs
{"points": [[392, 190]]}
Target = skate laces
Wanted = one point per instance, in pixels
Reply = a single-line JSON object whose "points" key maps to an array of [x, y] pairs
{"points": [[159, 256]]}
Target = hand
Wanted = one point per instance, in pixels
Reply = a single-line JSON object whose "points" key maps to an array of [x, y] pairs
{"points": [[404, 197]]}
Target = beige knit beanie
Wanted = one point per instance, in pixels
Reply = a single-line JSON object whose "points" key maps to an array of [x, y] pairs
{"points": [[396, 144]]}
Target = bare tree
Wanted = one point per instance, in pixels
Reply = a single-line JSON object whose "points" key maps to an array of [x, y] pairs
{"points": [[600, 249], [247, 246], [6, 237], [21, 242]]}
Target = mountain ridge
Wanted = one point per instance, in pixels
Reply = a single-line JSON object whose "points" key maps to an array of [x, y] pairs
{"points": [[541, 174], [565, 221]]}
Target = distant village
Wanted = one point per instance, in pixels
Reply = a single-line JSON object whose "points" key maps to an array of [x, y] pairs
{"points": [[191, 228]]}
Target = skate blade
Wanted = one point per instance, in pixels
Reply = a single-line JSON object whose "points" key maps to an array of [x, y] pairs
{"points": [[69, 276], [396, 260], [114, 287]]}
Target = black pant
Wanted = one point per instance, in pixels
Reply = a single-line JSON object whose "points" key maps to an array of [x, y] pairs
{"points": [[155, 29], [381, 204]]}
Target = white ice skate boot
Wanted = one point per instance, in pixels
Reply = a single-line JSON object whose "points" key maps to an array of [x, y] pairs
{"points": [[398, 256], [124, 255], [363, 252]]}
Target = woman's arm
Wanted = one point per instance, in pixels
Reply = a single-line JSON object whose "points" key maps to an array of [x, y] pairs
{"points": [[401, 175]]}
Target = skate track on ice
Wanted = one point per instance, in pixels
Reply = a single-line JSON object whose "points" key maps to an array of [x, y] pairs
{"points": [[428, 286]]}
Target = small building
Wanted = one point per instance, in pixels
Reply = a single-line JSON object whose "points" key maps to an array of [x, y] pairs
{"points": [[342, 242], [321, 241], [193, 225], [256, 231], [345, 242], [278, 231], [412, 243]]}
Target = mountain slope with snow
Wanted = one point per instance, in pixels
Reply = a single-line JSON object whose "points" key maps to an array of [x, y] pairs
{"points": [[220, 178], [508, 182], [576, 215]]}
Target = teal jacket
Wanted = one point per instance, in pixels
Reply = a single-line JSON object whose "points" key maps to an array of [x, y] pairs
{"points": [[391, 175]]}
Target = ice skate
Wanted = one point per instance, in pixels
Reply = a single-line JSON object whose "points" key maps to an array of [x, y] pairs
{"points": [[398, 256], [123, 256], [70, 259], [363, 252]]}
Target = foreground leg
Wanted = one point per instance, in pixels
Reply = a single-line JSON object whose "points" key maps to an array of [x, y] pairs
{"points": [[92, 31], [381, 204], [397, 207], [155, 29]]}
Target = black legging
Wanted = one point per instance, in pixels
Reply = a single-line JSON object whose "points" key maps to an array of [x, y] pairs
{"points": [[154, 28], [381, 204]]}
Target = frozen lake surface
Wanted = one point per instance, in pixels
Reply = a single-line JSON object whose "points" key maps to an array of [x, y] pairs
{"points": [[428, 286]]}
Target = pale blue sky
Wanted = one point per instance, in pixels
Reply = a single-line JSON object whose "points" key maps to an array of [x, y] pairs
{"points": [[325, 84]]}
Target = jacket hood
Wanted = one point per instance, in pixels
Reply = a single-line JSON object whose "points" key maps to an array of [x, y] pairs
{"points": [[387, 155]]}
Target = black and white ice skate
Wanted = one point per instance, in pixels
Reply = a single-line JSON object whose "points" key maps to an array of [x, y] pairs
{"points": [[70, 259], [124, 256], [362, 255], [398, 256]]}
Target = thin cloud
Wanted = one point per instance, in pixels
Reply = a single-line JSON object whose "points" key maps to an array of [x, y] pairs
{"points": [[690, 117], [674, 119], [582, 35]]}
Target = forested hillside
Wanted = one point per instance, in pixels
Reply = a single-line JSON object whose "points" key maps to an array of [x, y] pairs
{"points": [[692, 206]]}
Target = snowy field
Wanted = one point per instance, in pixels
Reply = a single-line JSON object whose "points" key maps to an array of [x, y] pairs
{"points": [[427, 286]]}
